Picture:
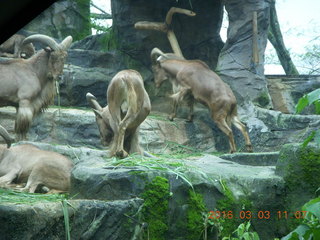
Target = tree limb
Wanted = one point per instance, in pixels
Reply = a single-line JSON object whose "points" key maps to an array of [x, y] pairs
{"points": [[166, 27], [101, 16], [276, 39]]}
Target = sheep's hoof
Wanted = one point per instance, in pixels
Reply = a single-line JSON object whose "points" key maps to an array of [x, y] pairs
{"points": [[122, 154], [190, 119], [170, 117], [249, 148]]}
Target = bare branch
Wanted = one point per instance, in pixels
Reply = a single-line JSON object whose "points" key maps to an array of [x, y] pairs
{"points": [[101, 16], [157, 26], [166, 27], [174, 10]]}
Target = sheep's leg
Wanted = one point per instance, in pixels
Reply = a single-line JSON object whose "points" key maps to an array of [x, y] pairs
{"points": [[134, 143], [5, 180], [24, 119], [223, 126], [174, 110], [126, 121], [191, 108], [177, 98], [116, 116], [238, 124], [31, 186]]}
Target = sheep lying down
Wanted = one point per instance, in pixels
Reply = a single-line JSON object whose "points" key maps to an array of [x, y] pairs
{"points": [[28, 168]]}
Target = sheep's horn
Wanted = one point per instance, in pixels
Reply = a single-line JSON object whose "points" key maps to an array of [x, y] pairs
{"points": [[6, 136], [155, 53], [92, 100], [44, 39], [65, 44]]}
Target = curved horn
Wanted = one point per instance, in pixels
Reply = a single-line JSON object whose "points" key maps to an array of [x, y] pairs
{"points": [[6, 136], [44, 39], [65, 44], [155, 53], [92, 100]]}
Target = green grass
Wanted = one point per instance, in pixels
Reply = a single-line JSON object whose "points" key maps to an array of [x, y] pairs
{"points": [[11, 196]]}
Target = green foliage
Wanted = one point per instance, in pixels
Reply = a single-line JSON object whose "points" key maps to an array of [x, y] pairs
{"points": [[232, 205], [196, 215], [305, 173], [65, 203], [243, 232], [263, 100], [109, 40], [11, 196], [312, 98], [155, 208], [84, 11], [310, 227], [309, 99]]}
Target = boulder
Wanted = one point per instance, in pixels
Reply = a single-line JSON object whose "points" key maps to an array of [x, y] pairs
{"points": [[235, 65], [88, 219], [204, 45], [205, 175], [299, 166], [63, 18], [77, 127], [217, 184], [286, 91], [269, 130]]}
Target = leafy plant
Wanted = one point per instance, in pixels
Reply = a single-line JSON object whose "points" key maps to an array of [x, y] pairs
{"points": [[312, 98], [310, 227], [243, 233]]}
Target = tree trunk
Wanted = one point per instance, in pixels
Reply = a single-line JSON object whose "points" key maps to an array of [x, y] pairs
{"points": [[276, 39]]}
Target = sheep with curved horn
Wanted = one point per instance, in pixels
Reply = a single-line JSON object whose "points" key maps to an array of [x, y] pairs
{"points": [[29, 84]]}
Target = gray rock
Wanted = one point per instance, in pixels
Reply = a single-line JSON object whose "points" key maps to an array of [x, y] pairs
{"points": [[235, 64], [62, 19], [104, 180], [286, 91], [204, 45], [253, 159], [89, 219], [77, 127]]}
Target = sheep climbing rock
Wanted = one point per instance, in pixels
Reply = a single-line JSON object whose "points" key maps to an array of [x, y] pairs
{"points": [[196, 81]]}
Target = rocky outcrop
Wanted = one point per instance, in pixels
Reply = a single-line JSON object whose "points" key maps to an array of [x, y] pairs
{"points": [[236, 66], [254, 188], [88, 220], [78, 127], [268, 130], [198, 36], [63, 18], [286, 91]]}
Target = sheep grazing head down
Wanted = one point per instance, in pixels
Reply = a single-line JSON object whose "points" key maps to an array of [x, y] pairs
{"points": [[128, 106]]}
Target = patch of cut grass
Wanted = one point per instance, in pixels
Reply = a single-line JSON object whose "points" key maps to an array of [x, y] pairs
{"points": [[11, 196]]}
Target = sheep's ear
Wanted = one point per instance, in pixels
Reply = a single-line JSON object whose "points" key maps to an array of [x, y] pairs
{"points": [[48, 49], [97, 113]]}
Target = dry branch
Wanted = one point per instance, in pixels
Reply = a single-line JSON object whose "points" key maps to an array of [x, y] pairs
{"points": [[166, 27]]}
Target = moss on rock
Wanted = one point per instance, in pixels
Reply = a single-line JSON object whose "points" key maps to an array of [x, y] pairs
{"points": [[300, 168], [195, 215], [155, 207]]}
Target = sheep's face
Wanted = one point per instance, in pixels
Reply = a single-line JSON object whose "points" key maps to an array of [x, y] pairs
{"points": [[56, 63], [103, 121], [159, 74]]}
